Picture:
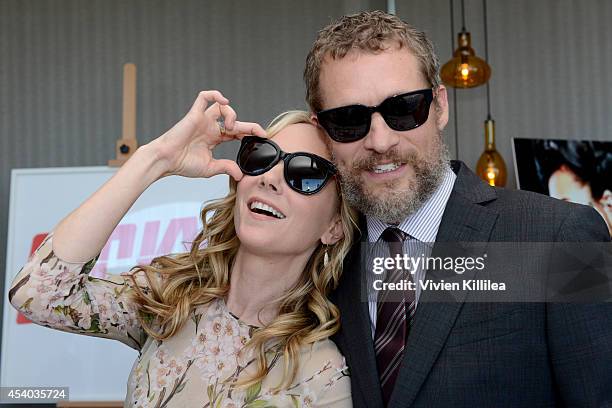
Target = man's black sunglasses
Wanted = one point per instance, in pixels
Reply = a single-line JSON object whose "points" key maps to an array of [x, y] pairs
{"points": [[305, 173], [402, 112]]}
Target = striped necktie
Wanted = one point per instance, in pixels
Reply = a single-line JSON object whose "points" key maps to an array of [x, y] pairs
{"points": [[391, 325]]}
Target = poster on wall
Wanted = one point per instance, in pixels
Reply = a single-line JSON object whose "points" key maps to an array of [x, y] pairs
{"points": [[164, 220], [572, 170]]}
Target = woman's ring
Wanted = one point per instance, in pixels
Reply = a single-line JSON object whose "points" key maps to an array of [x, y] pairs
{"points": [[221, 124]]}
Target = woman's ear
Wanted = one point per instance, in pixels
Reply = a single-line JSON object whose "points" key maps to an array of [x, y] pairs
{"points": [[334, 233], [314, 119]]}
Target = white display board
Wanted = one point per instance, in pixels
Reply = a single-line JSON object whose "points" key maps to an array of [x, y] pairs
{"points": [[163, 220]]}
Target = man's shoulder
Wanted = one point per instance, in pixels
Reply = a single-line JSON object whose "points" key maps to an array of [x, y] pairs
{"points": [[536, 203], [507, 197], [538, 210], [505, 200]]}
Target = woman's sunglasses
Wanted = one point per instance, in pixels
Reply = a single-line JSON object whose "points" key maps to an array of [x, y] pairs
{"points": [[305, 173], [350, 123]]}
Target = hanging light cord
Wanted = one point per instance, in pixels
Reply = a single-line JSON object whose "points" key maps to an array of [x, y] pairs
{"points": [[486, 35], [462, 15], [452, 15]]}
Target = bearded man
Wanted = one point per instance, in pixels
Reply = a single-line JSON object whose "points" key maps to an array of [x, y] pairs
{"points": [[373, 84]]}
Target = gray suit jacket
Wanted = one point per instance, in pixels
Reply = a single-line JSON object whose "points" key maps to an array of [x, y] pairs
{"points": [[466, 354]]}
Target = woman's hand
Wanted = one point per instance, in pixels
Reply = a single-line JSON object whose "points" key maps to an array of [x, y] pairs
{"points": [[186, 149]]}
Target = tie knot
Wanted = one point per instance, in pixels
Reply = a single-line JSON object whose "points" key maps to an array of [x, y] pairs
{"points": [[393, 234]]}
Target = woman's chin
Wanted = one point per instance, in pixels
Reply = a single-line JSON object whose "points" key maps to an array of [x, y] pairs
{"points": [[258, 240]]}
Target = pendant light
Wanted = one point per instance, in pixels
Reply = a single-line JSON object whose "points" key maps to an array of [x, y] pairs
{"points": [[491, 166], [465, 69]]}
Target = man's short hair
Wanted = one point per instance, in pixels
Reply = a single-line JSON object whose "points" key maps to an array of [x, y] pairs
{"points": [[369, 31]]}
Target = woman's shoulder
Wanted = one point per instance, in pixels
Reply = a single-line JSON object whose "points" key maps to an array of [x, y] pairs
{"points": [[324, 375], [322, 351], [322, 359]]}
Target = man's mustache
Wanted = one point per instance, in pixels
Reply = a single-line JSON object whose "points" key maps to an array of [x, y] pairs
{"points": [[371, 161]]}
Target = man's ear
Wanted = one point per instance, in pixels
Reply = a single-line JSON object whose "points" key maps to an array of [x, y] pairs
{"points": [[334, 233], [441, 107]]}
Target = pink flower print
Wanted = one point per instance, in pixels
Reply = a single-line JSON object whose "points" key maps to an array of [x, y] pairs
{"points": [[213, 346], [191, 352], [229, 328], [207, 367], [161, 378], [202, 339], [216, 327], [103, 310], [175, 368], [195, 350], [160, 354], [308, 398]]}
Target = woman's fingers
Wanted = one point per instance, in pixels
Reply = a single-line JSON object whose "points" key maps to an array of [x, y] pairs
{"points": [[229, 116], [221, 112], [224, 166], [206, 97], [223, 118], [247, 128]]}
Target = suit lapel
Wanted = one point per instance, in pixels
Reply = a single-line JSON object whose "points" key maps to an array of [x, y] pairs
{"points": [[464, 219]]}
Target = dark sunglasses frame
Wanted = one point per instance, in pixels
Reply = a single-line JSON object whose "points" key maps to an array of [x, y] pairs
{"points": [[325, 116], [327, 166]]}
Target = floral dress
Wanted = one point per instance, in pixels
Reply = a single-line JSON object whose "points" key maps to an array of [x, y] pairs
{"points": [[197, 367]]}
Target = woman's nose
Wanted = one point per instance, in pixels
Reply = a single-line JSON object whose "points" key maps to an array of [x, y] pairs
{"points": [[273, 178]]}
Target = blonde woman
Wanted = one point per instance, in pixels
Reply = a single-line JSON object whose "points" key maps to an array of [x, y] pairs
{"points": [[243, 319]]}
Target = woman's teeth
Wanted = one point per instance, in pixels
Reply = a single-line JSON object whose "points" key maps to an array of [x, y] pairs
{"points": [[256, 205], [385, 168]]}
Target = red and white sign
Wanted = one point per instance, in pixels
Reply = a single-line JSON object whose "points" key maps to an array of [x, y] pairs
{"points": [[164, 220]]}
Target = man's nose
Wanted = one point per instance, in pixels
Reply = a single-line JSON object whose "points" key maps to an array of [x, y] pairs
{"points": [[381, 138]]}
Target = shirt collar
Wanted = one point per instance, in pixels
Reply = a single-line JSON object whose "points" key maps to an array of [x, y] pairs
{"points": [[423, 224]]}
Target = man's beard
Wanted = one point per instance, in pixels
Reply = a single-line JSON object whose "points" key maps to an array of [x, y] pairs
{"points": [[393, 205]]}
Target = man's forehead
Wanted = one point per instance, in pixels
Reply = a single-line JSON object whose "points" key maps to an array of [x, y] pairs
{"points": [[369, 77]]}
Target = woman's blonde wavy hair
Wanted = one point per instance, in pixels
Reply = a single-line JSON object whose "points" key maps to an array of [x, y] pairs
{"points": [[176, 284]]}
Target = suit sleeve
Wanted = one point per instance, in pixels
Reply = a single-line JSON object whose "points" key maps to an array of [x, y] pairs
{"points": [[580, 334]]}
